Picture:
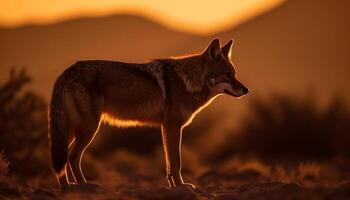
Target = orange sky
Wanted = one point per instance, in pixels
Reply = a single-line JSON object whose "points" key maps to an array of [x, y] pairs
{"points": [[202, 17]]}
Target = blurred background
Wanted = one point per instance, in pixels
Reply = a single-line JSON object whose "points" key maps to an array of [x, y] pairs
{"points": [[293, 127]]}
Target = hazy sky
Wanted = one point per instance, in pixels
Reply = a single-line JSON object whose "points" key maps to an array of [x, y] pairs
{"points": [[199, 16]]}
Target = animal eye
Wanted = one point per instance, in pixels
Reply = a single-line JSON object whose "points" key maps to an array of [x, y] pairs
{"points": [[212, 80]]}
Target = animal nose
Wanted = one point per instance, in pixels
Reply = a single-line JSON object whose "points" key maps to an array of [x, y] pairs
{"points": [[245, 90]]}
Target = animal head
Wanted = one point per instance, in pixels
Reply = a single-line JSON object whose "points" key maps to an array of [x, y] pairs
{"points": [[219, 73]]}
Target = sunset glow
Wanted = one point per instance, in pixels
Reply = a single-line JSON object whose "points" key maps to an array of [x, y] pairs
{"points": [[201, 17]]}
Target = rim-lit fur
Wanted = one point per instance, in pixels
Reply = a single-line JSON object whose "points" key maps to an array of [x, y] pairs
{"points": [[165, 93]]}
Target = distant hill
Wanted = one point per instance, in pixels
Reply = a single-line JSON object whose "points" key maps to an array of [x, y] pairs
{"points": [[47, 50], [296, 46]]}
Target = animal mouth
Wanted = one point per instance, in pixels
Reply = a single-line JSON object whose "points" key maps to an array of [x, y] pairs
{"points": [[232, 93], [229, 92]]}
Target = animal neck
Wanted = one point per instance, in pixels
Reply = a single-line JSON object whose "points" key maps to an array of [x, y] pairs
{"points": [[190, 71]]}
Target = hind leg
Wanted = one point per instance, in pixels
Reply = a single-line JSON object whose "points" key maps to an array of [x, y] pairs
{"points": [[63, 178], [69, 173], [85, 106], [84, 135]]}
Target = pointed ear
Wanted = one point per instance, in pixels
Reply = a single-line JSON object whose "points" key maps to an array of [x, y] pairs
{"points": [[213, 50], [227, 49]]}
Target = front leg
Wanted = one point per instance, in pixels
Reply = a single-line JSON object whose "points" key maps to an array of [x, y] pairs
{"points": [[172, 134]]}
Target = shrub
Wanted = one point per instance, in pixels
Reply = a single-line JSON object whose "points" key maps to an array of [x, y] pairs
{"points": [[23, 124], [285, 128]]}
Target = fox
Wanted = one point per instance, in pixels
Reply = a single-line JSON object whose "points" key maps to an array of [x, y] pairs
{"points": [[165, 93]]}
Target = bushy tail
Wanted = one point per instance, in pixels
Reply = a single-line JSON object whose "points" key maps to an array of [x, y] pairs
{"points": [[58, 131]]}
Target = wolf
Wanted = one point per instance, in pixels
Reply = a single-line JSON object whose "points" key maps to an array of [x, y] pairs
{"points": [[165, 93]]}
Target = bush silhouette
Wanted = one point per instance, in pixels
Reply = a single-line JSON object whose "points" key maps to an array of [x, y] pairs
{"points": [[23, 124], [289, 129]]}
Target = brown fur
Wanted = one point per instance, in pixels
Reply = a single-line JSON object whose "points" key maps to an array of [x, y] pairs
{"points": [[165, 93]]}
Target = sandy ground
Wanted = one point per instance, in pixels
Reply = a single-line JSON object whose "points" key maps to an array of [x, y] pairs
{"points": [[247, 184]]}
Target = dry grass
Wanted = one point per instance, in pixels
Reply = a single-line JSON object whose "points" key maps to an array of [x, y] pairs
{"points": [[125, 175]]}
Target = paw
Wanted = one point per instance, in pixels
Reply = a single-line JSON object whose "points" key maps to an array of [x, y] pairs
{"points": [[188, 186]]}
